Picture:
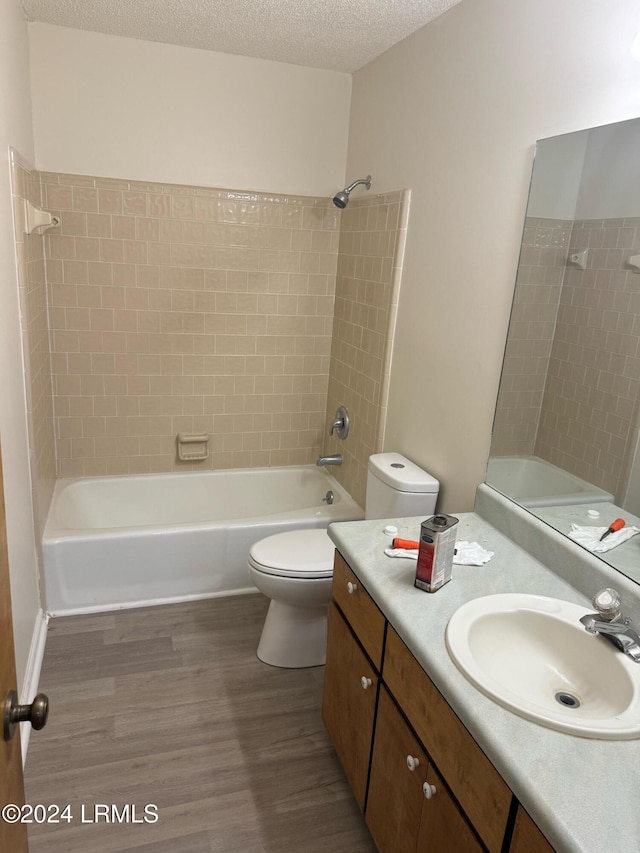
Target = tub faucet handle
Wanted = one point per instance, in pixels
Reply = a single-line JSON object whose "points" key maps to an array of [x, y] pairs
{"points": [[340, 423]]}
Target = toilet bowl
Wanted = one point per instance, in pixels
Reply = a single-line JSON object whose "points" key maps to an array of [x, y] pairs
{"points": [[295, 569]]}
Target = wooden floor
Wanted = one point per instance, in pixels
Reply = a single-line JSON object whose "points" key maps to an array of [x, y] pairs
{"points": [[170, 706]]}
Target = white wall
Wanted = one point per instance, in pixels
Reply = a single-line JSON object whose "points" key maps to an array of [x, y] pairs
{"points": [[453, 113], [15, 130], [125, 108]]}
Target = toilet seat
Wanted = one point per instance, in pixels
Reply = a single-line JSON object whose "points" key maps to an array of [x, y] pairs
{"points": [[294, 554]]}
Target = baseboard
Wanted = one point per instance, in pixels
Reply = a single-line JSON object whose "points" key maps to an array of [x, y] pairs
{"points": [[148, 602], [32, 674]]}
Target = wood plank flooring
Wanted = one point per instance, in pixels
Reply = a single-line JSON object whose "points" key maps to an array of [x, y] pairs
{"points": [[170, 706]]}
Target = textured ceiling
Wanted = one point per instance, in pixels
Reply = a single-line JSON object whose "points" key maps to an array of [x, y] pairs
{"points": [[342, 35]]}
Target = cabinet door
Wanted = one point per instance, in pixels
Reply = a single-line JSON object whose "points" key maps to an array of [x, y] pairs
{"points": [[398, 771], [527, 838], [475, 783], [442, 826], [349, 702]]}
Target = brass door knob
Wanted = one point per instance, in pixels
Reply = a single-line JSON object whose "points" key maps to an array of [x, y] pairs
{"points": [[36, 713]]}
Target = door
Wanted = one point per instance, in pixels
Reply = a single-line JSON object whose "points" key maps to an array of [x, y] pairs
{"points": [[12, 836]]}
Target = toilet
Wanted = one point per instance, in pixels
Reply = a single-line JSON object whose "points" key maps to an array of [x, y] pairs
{"points": [[295, 569]]}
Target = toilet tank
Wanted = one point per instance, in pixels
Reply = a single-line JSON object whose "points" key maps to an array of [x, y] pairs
{"points": [[396, 487]]}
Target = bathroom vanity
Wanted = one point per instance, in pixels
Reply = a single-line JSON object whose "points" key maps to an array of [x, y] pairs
{"points": [[434, 763]]}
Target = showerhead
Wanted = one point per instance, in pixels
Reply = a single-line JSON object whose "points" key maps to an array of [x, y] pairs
{"points": [[341, 199]]}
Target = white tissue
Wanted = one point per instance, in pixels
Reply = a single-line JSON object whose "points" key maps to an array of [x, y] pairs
{"points": [[467, 554], [589, 537], [471, 554], [401, 552]]}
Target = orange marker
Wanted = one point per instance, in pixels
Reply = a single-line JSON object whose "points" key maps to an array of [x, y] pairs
{"points": [[618, 524], [407, 544]]}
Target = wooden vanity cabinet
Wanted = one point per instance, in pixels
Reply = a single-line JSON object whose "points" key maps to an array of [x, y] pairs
{"points": [[426, 784]]}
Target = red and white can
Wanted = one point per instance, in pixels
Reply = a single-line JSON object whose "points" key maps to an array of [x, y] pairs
{"points": [[435, 552]]}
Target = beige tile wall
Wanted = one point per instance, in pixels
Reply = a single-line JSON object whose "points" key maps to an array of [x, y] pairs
{"points": [[545, 246], [591, 397], [37, 362], [186, 309], [372, 240]]}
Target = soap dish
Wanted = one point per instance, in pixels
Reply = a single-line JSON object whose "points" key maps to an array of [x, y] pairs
{"points": [[192, 447]]}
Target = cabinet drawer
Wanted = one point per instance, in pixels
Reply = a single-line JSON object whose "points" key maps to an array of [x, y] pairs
{"points": [[359, 609], [474, 781]]}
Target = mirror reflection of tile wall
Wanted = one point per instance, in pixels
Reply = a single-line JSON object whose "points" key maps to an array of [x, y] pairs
{"points": [[591, 397], [570, 386], [544, 250]]}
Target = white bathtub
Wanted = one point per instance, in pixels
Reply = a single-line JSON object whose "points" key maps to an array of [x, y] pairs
{"points": [[533, 482], [115, 542]]}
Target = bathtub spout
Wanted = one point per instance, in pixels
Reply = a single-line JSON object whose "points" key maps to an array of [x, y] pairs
{"points": [[333, 459]]}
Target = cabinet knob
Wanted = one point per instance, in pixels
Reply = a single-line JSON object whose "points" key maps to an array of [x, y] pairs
{"points": [[412, 762], [366, 682], [429, 790], [351, 587]]}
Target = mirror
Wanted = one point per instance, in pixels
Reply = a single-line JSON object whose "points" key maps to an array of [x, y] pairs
{"points": [[565, 438]]}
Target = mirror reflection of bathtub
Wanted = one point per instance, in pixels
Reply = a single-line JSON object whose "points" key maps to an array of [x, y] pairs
{"points": [[533, 482], [561, 499]]}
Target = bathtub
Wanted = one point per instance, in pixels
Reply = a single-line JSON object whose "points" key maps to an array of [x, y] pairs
{"points": [[533, 482], [114, 542]]}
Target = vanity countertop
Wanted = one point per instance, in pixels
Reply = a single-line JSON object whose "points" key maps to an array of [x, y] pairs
{"points": [[582, 792]]}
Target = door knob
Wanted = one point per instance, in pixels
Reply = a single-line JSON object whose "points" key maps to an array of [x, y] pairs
{"points": [[36, 713]]}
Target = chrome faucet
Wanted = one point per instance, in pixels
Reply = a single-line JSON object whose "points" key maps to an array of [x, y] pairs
{"points": [[610, 624], [332, 459]]}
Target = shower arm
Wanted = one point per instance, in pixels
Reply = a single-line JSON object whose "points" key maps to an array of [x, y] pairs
{"points": [[366, 181]]}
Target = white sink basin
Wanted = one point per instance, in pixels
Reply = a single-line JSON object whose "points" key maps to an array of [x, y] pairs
{"points": [[532, 655]]}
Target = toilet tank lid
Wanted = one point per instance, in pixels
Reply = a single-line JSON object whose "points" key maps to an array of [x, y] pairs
{"points": [[399, 472]]}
